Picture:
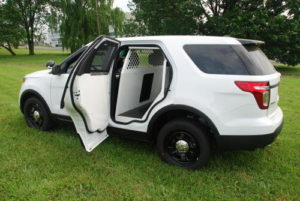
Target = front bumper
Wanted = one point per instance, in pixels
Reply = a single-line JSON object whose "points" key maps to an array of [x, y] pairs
{"points": [[246, 142]]}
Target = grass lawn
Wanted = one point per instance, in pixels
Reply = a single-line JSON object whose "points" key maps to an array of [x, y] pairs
{"points": [[54, 166]]}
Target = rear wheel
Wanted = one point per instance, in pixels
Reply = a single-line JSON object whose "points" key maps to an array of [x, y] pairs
{"points": [[37, 115], [184, 143]]}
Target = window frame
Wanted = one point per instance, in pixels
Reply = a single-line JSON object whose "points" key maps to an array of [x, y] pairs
{"points": [[84, 66]]}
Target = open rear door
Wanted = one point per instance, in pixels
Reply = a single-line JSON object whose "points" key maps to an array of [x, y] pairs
{"points": [[87, 92]]}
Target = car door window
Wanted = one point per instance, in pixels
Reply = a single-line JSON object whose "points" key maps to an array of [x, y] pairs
{"points": [[99, 62]]}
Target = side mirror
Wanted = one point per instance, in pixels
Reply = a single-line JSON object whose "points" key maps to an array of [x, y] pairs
{"points": [[56, 70], [50, 64]]}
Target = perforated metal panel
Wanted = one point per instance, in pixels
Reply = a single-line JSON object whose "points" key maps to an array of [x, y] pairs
{"points": [[140, 58]]}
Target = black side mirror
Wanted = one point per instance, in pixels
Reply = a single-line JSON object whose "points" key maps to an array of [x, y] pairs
{"points": [[56, 70], [50, 64]]}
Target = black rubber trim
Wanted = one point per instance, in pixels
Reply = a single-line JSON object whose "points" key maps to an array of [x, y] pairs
{"points": [[165, 93], [137, 112], [246, 142], [89, 50]]}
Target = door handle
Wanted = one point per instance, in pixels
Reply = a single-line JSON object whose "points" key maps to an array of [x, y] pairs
{"points": [[77, 93]]}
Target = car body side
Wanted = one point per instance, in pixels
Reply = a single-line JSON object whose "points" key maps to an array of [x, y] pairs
{"points": [[213, 100]]}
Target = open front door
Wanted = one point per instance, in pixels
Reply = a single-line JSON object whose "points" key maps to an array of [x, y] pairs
{"points": [[87, 91]]}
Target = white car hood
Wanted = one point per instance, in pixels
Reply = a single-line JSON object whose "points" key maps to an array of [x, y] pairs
{"points": [[40, 73]]}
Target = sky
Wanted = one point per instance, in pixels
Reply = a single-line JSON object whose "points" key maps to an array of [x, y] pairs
{"points": [[122, 4]]}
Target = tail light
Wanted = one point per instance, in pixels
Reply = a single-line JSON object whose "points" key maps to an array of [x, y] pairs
{"points": [[260, 91]]}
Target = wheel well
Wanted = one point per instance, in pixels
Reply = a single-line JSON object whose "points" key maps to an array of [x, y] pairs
{"points": [[161, 119], [28, 94]]}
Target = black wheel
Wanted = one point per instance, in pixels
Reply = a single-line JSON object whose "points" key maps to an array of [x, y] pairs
{"points": [[37, 115], [183, 143]]}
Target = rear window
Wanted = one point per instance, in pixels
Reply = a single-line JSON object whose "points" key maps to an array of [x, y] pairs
{"points": [[230, 59]]}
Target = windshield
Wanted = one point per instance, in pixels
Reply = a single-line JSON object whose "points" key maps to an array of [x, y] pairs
{"points": [[229, 59]]}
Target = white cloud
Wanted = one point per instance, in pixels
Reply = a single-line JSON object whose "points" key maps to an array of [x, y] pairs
{"points": [[122, 4]]}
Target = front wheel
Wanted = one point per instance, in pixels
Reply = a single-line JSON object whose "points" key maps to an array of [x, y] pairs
{"points": [[37, 115], [184, 143]]}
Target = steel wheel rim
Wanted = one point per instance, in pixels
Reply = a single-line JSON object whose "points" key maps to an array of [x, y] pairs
{"points": [[35, 115], [182, 154]]}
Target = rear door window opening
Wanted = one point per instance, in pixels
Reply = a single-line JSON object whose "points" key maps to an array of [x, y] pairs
{"points": [[142, 77]]}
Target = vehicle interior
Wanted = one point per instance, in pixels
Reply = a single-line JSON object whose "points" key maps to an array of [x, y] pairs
{"points": [[141, 77]]}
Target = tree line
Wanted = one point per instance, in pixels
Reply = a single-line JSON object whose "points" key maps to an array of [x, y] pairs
{"points": [[77, 21], [277, 22]]}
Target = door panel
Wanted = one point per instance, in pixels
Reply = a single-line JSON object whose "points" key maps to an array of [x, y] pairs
{"points": [[90, 140], [98, 88], [87, 98]]}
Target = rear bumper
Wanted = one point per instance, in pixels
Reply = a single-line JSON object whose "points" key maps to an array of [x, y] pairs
{"points": [[246, 142]]}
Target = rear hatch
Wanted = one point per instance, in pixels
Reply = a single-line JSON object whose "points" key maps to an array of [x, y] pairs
{"points": [[256, 73], [262, 66]]}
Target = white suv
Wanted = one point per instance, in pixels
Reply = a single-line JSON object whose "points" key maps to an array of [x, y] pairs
{"points": [[186, 93]]}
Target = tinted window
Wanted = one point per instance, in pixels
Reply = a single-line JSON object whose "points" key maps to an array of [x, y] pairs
{"points": [[229, 59], [101, 57], [261, 64]]}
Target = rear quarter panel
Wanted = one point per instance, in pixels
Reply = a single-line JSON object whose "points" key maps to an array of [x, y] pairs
{"points": [[233, 111]]}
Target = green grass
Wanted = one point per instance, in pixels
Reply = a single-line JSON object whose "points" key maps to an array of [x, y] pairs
{"points": [[289, 71], [54, 166]]}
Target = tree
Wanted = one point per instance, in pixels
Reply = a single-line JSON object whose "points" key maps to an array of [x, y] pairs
{"points": [[117, 20], [274, 21], [80, 21], [76, 27], [31, 15], [11, 33], [269, 21], [153, 17]]}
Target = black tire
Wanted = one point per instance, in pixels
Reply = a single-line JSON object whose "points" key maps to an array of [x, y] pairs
{"points": [[184, 143], [37, 114]]}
